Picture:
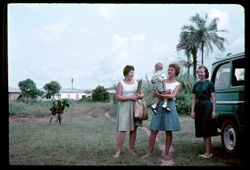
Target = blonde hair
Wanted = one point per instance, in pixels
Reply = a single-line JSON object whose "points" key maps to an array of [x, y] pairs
{"points": [[158, 66]]}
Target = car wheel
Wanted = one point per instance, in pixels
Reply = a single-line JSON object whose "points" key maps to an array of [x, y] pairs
{"points": [[230, 136]]}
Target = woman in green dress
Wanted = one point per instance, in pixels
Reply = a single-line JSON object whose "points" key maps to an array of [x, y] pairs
{"points": [[203, 110]]}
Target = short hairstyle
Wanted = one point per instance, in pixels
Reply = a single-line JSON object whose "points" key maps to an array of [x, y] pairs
{"points": [[158, 66], [176, 67], [127, 69], [205, 69]]}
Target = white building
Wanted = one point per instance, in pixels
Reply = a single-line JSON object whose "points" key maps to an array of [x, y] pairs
{"points": [[69, 93]]}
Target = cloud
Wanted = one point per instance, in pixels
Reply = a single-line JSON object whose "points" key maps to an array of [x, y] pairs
{"points": [[108, 12], [238, 42], [138, 39], [223, 16], [49, 33], [120, 41], [57, 28]]}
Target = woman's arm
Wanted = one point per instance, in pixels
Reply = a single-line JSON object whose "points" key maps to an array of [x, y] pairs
{"points": [[172, 95], [214, 105], [122, 98], [193, 106]]}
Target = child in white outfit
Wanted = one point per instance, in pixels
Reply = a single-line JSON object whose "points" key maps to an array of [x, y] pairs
{"points": [[158, 81]]}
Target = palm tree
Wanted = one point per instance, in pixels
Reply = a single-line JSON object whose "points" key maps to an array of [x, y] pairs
{"points": [[206, 34], [186, 63], [187, 42]]}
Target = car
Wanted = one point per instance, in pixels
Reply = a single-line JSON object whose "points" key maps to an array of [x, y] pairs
{"points": [[228, 76]]}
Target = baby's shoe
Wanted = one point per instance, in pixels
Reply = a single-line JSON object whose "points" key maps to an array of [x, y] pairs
{"points": [[166, 108], [154, 109]]}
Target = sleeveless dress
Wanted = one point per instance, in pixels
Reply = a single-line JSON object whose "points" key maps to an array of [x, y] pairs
{"points": [[205, 126], [166, 120], [125, 113]]}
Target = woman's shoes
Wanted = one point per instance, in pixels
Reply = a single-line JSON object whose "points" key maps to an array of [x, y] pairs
{"points": [[206, 156]]}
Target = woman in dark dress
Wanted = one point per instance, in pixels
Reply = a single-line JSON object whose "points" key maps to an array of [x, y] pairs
{"points": [[203, 110]]}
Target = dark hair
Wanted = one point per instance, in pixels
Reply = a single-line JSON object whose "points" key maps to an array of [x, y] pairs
{"points": [[127, 69], [176, 67], [205, 69]]}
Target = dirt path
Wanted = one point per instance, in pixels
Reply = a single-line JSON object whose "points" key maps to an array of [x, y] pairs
{"points": [[100, 113]]}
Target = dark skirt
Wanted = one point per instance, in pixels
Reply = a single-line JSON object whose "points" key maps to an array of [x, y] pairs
{"points": [[205, 126]]}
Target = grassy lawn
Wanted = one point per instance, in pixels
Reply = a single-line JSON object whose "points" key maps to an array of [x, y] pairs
{"points": [[87, 136]]}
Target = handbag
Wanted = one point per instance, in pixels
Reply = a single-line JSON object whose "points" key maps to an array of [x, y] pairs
{"points": [[140, 110]]}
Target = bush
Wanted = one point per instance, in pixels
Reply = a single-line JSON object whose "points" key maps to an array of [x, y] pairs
{"points": [[184, 98], [184, 103], [100, 94]]}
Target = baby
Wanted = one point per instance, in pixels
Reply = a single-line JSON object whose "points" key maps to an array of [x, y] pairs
{"points": [[158, 81]]}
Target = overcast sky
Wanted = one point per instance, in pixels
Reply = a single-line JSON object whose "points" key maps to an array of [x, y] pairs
{"points": [[92, 43]]}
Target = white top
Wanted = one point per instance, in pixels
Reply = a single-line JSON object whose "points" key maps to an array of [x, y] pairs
{"points": [[158, 76], [129, 89], [172, 86]]}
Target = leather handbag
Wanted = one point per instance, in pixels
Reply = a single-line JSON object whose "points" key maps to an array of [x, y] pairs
{"points": [[140, 110]]}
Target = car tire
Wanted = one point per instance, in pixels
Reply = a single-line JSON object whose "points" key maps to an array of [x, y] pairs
{"points": [[230, 137]]}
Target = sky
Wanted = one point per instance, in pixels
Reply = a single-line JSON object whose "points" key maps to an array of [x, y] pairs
{"points": [[92, 43]]}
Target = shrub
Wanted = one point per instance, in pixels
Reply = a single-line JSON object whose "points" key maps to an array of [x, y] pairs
{"points": [[184, 103], [100, 94]]}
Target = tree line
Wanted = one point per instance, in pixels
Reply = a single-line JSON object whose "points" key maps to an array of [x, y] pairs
{"points": [[29, 90]]}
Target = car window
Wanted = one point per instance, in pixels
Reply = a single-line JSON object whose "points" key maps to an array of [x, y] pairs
{"points": [[222, 76], [238, 73]]}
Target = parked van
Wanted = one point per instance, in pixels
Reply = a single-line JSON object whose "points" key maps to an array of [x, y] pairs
{"points": [[228, 76]]}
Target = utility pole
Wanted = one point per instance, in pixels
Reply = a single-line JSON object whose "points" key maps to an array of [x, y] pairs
{"points": [[72, 82]]}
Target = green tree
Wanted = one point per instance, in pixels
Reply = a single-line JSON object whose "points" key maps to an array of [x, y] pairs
{"points": [[100, 94], [52, 88], [199, 36], [206, 34], [186, 63], [190, 46], [183, 99], [28, 89]]}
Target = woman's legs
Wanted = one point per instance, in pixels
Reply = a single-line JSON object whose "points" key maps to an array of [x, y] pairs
{"points": [[132, 139], [151, 142], [208, 145], [120, 140], [168, 144]]}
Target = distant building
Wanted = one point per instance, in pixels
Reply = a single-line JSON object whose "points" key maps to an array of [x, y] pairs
{"points": [[14, 93], [69, 93], [112, 93]]}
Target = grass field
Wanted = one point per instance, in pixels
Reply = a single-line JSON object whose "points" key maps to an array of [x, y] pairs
{"points": [[87, 137]]}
